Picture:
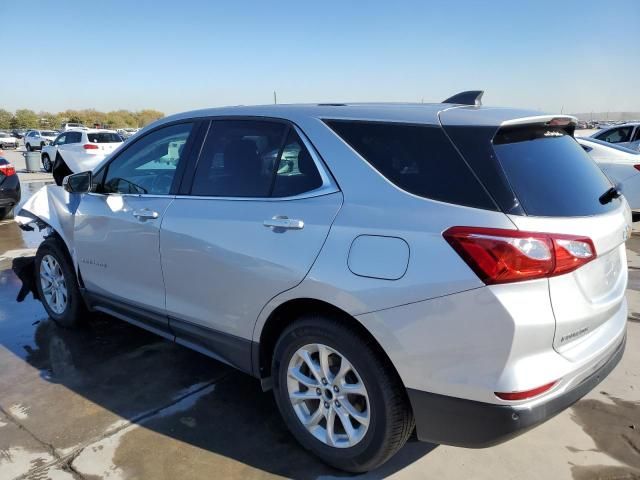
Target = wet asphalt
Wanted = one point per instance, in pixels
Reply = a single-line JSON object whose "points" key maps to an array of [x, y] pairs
{"points": [[113, 401]]}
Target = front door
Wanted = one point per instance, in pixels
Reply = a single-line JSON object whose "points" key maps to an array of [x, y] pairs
{"points": [[117, 227]]}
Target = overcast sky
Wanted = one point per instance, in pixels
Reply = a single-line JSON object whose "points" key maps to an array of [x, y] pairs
{"points": [[579, 56]]}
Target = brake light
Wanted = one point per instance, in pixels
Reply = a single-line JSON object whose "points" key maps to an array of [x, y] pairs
{"points": [[525, 394], [7, 169], [504, 256], [637, 167], [90, 146]]}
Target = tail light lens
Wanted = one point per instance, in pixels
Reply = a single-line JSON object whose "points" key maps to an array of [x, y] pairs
{"points": [[7, 169], [504, 256], [637, 167], [90, 146]]}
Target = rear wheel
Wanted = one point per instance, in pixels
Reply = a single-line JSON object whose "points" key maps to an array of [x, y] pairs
{"points": [[338, 397], [57, 284], [46, 163]]}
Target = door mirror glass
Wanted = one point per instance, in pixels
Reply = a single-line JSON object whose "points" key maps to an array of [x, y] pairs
{"points": [[77, 183]]}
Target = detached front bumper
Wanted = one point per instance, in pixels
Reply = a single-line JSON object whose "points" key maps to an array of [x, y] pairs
{"points": [[467, 423]]}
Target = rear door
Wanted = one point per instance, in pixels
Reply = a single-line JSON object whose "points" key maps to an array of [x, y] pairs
{"points": [[255, 217], [105, 142]]}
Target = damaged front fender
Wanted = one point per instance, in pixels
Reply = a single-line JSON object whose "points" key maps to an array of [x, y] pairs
{"points": [[54, 208]]}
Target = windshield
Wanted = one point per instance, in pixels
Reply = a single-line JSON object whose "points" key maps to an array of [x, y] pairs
{"points": [[550, 173], [104, 137]]}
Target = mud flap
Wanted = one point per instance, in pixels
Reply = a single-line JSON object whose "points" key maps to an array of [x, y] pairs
{"points": [[25, 270]]}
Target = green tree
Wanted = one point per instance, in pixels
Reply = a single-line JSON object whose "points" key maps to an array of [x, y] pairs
{"points": [[145, 117], [25, 118], [5, 119], [49, 120]]}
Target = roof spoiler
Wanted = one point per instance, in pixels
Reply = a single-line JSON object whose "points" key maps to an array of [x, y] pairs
{"points": [[470, 97]]}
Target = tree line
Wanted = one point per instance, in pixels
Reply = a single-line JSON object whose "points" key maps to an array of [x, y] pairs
{"points": [[25, 118]]}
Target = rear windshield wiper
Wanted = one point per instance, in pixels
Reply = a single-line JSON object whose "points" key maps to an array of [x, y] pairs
{"points": [[609, 195]]}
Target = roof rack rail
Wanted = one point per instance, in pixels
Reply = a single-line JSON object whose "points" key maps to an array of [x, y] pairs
{"points": [[470, 97]]}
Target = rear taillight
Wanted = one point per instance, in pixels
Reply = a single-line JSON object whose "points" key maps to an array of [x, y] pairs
{"points": [[90, 146], [7, 169], [637, 167], [503, 256]]}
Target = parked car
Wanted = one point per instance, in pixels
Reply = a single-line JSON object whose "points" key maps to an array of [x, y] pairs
{"points": [[78, 150], [36, 139], [7, 140], [620, 164], [70, 126], [9, 189], [401, 266], [19, 133], [627, 135]]}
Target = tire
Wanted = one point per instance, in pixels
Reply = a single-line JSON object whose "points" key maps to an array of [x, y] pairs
{"points": [[52, 261], [41, 146], [7, 213], [28, 147], [60, 170], [387, 419], [46, 163]]}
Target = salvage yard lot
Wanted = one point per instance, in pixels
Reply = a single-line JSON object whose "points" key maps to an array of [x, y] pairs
{"points": [[113, 401]]}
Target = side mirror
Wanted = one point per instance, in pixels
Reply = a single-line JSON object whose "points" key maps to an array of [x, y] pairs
{"points": [[77, 183]]}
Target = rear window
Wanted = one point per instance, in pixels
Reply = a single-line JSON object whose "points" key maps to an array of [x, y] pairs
{"points": [[104, 137], [417, 158], [49, 133], [550, 173]]}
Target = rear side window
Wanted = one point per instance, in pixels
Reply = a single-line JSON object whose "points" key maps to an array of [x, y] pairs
{"points": [[296, 172], [73, 137], [104, 137], [550, 173], [417, 158], [238, 159]]}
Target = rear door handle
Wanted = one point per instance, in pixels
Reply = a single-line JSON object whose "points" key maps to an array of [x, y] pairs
{"points": [[145, 214], [285, 223]]}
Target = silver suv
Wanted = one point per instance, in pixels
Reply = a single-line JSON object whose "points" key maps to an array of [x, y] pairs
{"points": [[451, 269]]}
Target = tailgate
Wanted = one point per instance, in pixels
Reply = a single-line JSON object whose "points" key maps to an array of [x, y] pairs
{"points": [[586, 298]]}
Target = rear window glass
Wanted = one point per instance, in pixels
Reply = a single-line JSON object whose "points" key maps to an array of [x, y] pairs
{"points": [[104, 137], [550, 173], [49, 133], [417, 158]]}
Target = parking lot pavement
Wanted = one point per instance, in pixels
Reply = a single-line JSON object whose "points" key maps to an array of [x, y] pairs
{"points": [[113, 401]]}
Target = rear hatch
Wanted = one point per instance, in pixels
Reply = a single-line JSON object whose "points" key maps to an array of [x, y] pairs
{"points": [[106, 142], [541, 177]]}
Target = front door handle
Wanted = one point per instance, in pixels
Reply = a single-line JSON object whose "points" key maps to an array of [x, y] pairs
{"points": [[285, 223], [145, 214]]}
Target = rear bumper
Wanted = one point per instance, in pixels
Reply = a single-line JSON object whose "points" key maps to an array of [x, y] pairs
{"points": [[10, 191], [468, 423]]}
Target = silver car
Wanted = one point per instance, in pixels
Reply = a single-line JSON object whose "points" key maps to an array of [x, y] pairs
{"points": [[449, 269]]}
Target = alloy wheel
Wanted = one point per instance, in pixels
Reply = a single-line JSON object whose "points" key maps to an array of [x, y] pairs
{"points": [[54, 286], [328, 396]]}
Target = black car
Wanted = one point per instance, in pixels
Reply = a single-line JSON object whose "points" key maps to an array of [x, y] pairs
{"points": [[9, 189], [19, 132]]}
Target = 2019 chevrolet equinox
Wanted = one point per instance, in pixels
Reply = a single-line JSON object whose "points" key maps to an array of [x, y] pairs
{"points": [[453, 269]]}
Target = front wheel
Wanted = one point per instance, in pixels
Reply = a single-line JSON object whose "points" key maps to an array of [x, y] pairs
{"points": [[338, 397], [57, 284], [46, 163], [28, 146]]}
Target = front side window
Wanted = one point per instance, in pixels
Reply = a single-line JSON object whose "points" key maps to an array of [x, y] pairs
{"points": [[616, 135], [238, 159], [149, 165], [60, 140]]}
